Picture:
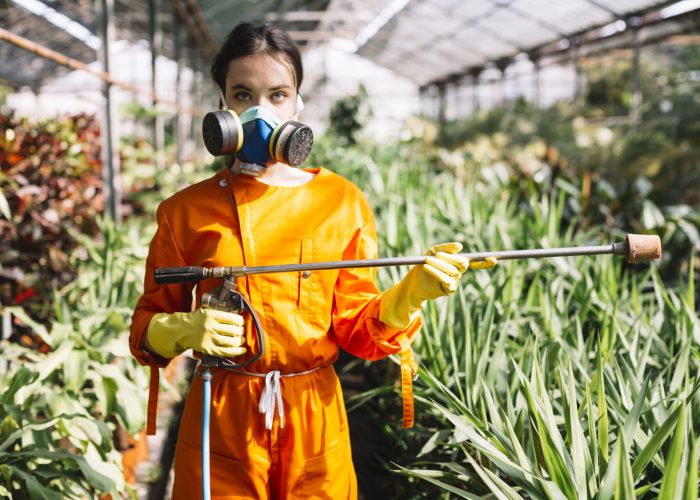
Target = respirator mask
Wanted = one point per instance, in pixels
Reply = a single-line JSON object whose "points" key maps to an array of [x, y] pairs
{"points": [[257, 137]]}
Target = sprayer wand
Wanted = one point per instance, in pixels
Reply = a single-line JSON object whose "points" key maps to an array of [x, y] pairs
{"points": [[635, 248]]}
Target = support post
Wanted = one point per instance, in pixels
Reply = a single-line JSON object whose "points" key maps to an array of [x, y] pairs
{"points": [[457, 91], [536, 84], [578, 78], [191, 126], [111, 178], [422, 101], [502, 65], [156, 38], [179, 135], [441, 103], [636, 104], [476, 88]]}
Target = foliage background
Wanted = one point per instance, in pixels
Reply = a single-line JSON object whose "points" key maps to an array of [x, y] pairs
{"points": [[568, 378]]}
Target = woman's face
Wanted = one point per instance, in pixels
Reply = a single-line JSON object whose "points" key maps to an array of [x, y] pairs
{"points": [[261, 80]]}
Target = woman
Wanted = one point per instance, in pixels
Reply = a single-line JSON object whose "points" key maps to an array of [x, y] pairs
{"points": [[281, 215]]}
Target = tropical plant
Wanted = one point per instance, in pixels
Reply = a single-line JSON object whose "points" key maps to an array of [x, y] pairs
{"points": [[563, 378], [62, 406]]}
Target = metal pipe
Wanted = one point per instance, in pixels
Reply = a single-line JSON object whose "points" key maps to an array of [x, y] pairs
{"points": [[219, 272], [636, 248], [111, 162], [71, 63], [205, 48]]}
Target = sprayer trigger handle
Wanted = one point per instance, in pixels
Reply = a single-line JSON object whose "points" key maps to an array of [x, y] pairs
{"points": [[167, 275]]}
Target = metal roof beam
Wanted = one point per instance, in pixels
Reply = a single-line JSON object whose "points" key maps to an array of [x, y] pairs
{"points": [[69, 62], [314, 15], [205, 47], [313, 35], [382, 19], [602, 6], [202, 23], [585, 37]]}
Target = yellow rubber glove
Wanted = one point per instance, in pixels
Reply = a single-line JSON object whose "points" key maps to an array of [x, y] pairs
{"points": [[208, 331], [437, 277]]}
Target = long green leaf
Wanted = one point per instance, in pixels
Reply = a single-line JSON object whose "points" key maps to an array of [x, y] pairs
{"points": [[657, 439], [674, 473], [447, 487], [691, 483]]}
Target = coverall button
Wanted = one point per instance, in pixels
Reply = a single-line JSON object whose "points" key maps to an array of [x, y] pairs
{"points": [[306, 274], [223, 183]]}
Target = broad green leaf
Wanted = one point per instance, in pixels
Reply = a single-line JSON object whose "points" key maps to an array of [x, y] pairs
{"points": [[75, 370], [56, 359], [4, 492], [36, 327], [22, 377], [34, 488], [96, 479]]}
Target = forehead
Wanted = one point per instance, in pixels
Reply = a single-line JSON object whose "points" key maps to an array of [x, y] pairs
{"points": [[259, 71]]}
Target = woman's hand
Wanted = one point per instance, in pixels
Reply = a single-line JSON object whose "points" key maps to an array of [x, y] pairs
{"points": [[439, 276], [208, 331]]}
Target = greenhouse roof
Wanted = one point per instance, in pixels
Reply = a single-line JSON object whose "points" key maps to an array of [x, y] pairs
{"points": [[427, 41], [69, 27], [434, 40]]}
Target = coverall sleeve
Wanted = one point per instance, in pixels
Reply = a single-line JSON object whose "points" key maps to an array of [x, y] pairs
{"points": [[163, 252], [355, 315]]}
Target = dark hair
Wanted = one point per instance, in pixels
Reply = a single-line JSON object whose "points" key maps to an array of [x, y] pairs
{"points": [[248, 40]]}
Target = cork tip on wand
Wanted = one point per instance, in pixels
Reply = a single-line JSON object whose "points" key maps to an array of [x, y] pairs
{"points": [[642, 247]]}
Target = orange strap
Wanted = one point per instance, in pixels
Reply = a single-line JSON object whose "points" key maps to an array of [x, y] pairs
{"points": [[409, 369], [153, 387]]}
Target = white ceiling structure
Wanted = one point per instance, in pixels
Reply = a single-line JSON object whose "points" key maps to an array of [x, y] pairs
{"points": [[432, 40], [424, 40]]}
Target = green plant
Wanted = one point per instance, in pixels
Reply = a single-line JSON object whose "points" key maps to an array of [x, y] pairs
{"points": [[559, 378], [61, 407], [348, 115]]}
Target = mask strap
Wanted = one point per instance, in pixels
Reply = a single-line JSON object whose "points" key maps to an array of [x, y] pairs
{"points": [[223, 99], [300, 103]]}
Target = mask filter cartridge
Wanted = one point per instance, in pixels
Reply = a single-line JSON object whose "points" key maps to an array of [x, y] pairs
{"points": [[257, 136], [223, 132]]}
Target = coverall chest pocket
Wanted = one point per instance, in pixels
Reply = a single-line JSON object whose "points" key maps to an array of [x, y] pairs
{"points": [[316, 287]]}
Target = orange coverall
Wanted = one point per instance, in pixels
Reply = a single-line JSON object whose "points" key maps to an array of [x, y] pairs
{"points": [[306, 453]]}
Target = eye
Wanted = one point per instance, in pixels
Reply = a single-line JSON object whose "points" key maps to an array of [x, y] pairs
{"points": [[242, 96], [278, 96]]}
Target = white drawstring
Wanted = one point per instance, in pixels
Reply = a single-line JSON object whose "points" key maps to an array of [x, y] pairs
{"points": [[271, 397]]}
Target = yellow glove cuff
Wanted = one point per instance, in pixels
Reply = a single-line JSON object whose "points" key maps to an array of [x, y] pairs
{"points": [[160, 337], [396, 308]]}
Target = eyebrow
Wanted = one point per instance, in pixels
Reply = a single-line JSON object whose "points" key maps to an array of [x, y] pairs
{"points": [[243, 87]]}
